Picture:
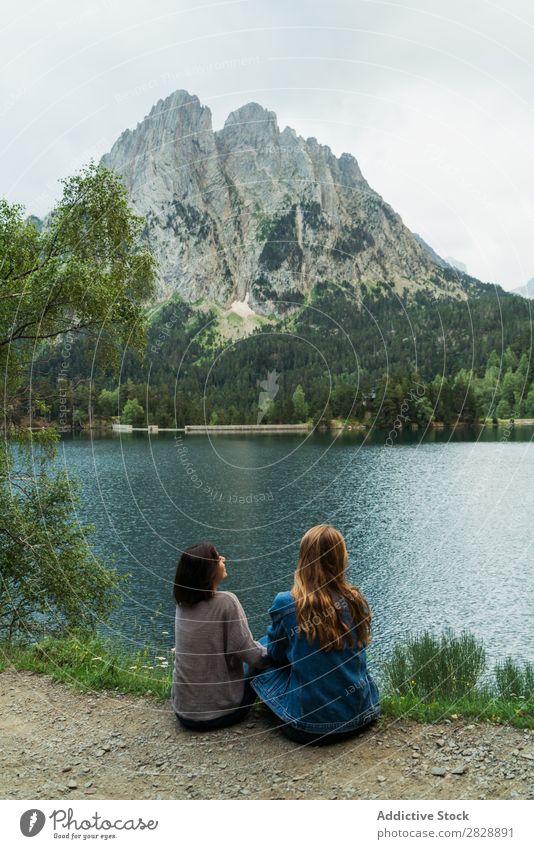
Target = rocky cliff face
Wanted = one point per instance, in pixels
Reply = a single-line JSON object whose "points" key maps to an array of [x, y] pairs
{"points": [[252, 210], [526, 291]]}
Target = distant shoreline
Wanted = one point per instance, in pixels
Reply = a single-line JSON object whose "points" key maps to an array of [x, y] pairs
{"points": [[306, 427]]}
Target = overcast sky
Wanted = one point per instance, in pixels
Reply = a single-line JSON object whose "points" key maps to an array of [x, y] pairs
{"points": [[434, 99]]}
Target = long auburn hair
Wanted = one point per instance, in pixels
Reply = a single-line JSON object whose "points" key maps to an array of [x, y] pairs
{"points": [[195, 574], [320, 589]]}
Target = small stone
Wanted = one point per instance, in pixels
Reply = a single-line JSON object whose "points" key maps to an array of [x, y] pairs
{"points": [[459, 770], [381, 778], [439, 771], [73, 784], [441, 742], [66, 769]]}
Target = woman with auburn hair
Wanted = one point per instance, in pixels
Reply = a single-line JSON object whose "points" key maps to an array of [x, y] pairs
{"points": [[319, 685]]}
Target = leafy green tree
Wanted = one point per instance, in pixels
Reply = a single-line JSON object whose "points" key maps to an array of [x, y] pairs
{"points": [[49, 575], [509, 359], [133, 413], [80, 417], [107, 403], [389, 400], [463, 396], [423, 411], [529, 404], [503, 411], [163, 418], [493, 361], [442, 401], [508, 388], [299, 404], [345, 401], [83, 274], [523, 365]]}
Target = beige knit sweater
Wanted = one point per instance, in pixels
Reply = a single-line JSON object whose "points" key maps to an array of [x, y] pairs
{"points": [[212, 641]]}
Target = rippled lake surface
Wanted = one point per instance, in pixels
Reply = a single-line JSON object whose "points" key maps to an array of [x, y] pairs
{"points": [[439, 530]]}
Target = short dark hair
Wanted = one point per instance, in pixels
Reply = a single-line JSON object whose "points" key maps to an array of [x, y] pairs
{"points": [[196, 573]]}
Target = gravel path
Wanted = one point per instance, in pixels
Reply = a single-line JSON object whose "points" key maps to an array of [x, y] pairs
{"points": [[57, 742]]}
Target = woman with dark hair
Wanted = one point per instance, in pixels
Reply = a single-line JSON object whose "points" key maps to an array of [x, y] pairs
{"points": [[319, 685], [213, 641]]}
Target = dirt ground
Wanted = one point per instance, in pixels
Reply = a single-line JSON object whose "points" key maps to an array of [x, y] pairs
{"points": [[57, 743]]}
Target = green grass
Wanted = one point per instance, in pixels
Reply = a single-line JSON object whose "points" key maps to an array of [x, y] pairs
{"points": [[428, 678], [93, 664], [480, 706]]}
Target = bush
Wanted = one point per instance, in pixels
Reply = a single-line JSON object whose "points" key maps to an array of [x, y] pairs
{"points": [[49, 574], [133, 413], [513, 681], [433, 667]]}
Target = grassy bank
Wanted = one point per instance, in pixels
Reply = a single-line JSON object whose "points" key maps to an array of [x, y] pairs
{"points": [[428, 678], [94, 664]]}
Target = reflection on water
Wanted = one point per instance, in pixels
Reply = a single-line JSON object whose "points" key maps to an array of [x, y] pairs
{"points": [[439, 531]]}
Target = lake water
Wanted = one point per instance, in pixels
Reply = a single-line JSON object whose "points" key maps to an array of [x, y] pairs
{"points": [[439, 531]]}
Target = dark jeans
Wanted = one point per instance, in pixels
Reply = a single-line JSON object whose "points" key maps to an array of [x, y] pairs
{"points": [[304, 737], [249, 697]]}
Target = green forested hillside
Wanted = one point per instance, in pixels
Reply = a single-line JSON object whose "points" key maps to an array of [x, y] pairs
{"points": [[342, 354]]}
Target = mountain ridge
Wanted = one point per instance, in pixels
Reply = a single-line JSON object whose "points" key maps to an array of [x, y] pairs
{"points": [[526, 291], [252, 210]]}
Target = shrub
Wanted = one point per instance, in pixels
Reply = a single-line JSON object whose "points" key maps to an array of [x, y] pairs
{"points": [[133, 413], [513, 681], [436, 667]]}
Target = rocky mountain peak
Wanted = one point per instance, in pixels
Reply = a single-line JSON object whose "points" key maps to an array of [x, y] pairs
{"points": [[252, 114], [178, 111], [249, 127], [249, 210]]}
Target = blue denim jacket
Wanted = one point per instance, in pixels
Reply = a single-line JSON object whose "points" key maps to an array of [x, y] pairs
{"points": [[311, 689]]}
